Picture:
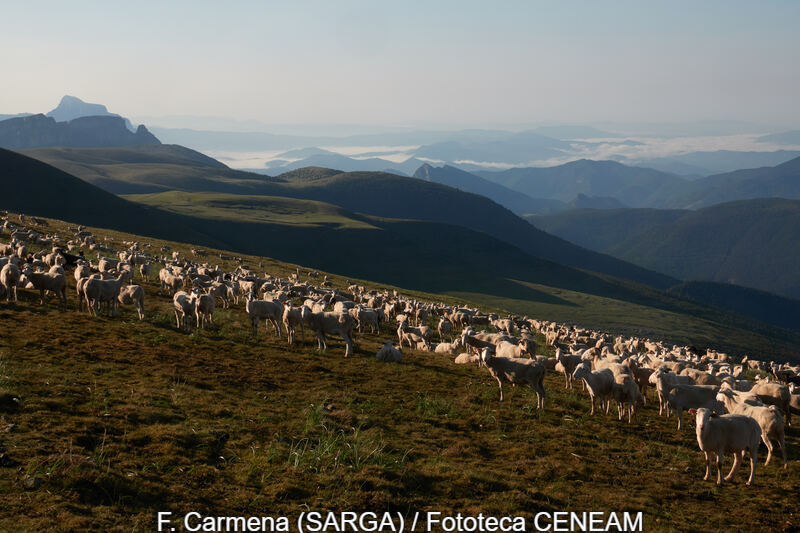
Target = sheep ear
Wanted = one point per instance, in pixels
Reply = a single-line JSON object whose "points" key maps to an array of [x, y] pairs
{"points": [[693, 411]]}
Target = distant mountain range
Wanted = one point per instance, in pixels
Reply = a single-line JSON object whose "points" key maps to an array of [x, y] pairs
{"points": [[634, 186], [699, 164], [754, 243], [317, 157], [36, 131]]}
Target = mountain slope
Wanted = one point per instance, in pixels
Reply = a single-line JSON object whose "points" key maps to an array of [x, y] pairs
{"points": [[755, 243], [371, 193], [513, 200], [37, 131], [634, 186], [781, 181]]}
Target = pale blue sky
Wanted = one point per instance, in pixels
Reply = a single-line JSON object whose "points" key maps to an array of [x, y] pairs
{"points": [[455, 62]]}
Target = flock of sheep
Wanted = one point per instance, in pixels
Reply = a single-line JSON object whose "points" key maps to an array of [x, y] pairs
{"points": [[614, 370]]}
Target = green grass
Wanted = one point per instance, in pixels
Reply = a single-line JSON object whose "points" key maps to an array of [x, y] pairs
{"points": [[251, 208], [122, 418]]}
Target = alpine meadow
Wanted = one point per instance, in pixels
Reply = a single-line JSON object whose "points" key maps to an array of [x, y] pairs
{"points": [[400, 267]]}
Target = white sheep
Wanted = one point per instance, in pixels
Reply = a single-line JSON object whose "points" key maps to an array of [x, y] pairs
{"points": [[332, 324], [55, 283], [769, 418], [271, 311], [600, 385], [103, 291], [682, 397], [516, 372], [719, 435], [183, 305], [775, 394], [203, 309], [9, 279], [132, 295], [293, 317], [389, 354]]}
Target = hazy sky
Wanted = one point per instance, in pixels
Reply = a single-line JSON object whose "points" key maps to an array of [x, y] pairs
{"points": [[400, 62]]}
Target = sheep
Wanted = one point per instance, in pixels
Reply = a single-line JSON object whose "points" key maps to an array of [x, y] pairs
{"points": [[9, 279], [626, 393], [329, 324], [271, 311], [466, 358], [567, 364], [682, 397], [365, 317], [774, 394], [144, 271], [522, 348], [221, 291], [600, 384], [516, 372], [132, 294], [203, 309], [448, 348], [414, 341], [444, 328], [389, 354], [55, 283], [769, 418], [727, 434], [82, 271], [293, 317], [183, 305], [98, 291], [663, 380]]}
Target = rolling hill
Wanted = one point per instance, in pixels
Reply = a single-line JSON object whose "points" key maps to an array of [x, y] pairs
{"points": [[370, 193], [755, 243], [513, 200]]}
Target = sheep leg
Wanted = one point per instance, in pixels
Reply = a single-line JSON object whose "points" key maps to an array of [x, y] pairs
{"points": [[591, 399], [783, 448], [500, 382], [679, 413], [753, 462], [708, 465], [768, 444], [348, 350], [719, 465], [177, 320], [737, 460]]}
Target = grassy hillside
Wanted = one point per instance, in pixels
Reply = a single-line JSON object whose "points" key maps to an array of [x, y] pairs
{"points": [[253, 209], [121, 419], [370, 193]]}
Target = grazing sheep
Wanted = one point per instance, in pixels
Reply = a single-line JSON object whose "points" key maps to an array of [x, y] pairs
{"points": [[9, 279], [719, 435], [683, 397], [769, 418], [144, 271], [132, 295], [567, 364], [271, 311], [599, 383], [293, 317], [389, 354], [774, 394], [332, 324], [516, 372], [183, 305], [663, 381], [466, 358], [55, 283], [444, 328], [103, 291], [627, 395], [203, 309]]}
